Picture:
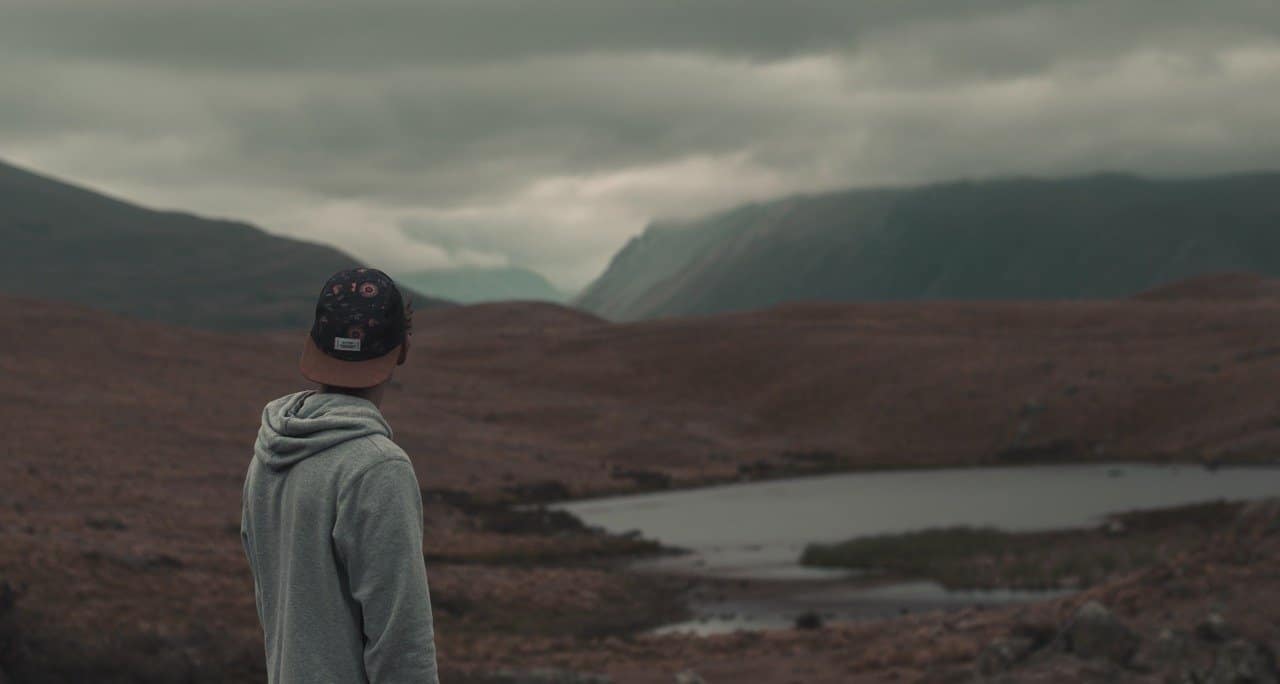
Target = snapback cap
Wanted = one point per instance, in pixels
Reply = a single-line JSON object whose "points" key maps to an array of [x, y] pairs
{"points": [[361, 327]]}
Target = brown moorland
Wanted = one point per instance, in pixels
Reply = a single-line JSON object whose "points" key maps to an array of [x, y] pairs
{"points": [[125, 445]]}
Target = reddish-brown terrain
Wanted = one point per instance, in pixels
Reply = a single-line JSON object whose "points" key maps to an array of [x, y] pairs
{"points": [[126, 442]]}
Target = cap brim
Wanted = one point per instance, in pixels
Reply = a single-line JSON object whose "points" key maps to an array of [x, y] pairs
{"points": [[319, 367]]}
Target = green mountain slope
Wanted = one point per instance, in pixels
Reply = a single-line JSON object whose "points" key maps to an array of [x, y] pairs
{"points": [[1097, 236], [59, 241]]}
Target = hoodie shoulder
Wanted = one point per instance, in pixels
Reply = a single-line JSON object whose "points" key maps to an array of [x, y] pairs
{"points": [[360, 456], [373, 449], [305, 424]]}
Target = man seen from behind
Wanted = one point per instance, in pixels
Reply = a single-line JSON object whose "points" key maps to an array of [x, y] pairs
{"points": [[331, 516]]}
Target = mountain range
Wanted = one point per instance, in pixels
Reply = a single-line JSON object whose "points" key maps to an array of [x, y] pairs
{"points": [[1098, 236], [67, 243], [1092, 237]]}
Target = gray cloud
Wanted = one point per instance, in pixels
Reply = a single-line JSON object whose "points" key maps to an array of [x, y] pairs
{"points": [[419, 134], [319, 34]]}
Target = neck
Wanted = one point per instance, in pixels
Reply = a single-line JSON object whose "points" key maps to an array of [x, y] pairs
{"points": [[372, 394]]}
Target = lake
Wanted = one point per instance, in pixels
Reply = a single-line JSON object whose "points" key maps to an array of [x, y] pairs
{"points": [[758, 530]]}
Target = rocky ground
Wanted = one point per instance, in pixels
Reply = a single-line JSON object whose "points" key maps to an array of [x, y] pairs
{"points": [[1207, 616], [125, 446]]}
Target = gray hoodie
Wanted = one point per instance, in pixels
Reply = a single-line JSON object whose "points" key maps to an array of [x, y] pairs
{"points": [[331, 522]]}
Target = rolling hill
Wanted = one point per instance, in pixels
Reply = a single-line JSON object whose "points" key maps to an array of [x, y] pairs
{"points": [[1098, 236], [59, 241]]}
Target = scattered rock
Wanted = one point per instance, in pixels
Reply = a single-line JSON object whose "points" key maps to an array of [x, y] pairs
{"points": [[1002, 654], [1039, 631], [689, 677], [1243, 662], [808, 621], [1214, 629], [1095, 633], [1171, 646]]}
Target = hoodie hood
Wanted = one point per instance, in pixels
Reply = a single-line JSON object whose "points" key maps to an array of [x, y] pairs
{"points": [[301, 425]]}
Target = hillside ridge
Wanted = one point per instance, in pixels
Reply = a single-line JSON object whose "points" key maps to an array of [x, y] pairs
{"points": [[1098, 236], [65, 242]]}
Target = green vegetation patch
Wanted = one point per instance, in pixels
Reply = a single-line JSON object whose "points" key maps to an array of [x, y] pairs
{"points": [[913, 553], [986, 558]]}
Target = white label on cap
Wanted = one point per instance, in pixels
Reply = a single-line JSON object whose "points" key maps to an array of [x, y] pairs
{"points": [[346, 343]]}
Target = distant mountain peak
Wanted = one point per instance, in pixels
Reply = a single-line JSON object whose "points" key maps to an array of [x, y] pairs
{"points": [[1101, 235]]}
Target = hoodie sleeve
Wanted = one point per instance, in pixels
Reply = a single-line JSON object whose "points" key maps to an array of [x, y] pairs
{"points": [[247, 543], [378, 537]]}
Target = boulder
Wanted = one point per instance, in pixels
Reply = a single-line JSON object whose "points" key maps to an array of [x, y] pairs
{"points": [[1214, 629], [689, 677], [1095, 633], [1170, 647], [808, 620], [1002, 654], [1243, 662]]}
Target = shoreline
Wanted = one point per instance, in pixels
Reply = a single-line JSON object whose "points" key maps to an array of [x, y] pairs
{"points": [[1122, 542], [782, 474]]}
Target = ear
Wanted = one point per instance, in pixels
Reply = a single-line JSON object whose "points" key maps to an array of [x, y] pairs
{"points": [[404, 352]]}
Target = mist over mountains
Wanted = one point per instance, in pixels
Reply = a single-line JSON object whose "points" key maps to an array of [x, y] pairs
{"points": [[1098, 236], [64, 242], [472, 285]]}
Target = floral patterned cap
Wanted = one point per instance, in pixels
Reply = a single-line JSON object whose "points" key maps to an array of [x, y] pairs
{"points": [[361, 319]]}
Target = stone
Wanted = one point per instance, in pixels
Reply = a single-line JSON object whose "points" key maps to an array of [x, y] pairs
{"points": [[1171, 646], [1095, 633], [689, 677], [1214, 629], [1002, 654], [1243, 662], [808, 621]]}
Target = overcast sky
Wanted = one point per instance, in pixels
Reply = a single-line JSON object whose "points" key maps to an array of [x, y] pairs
{"points": [[544, 133]]}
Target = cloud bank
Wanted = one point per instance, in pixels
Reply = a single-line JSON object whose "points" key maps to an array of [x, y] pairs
{"points": [[487, 132]]}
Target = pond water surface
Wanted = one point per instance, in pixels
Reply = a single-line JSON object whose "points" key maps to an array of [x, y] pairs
{"points": [[758, 530]]}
